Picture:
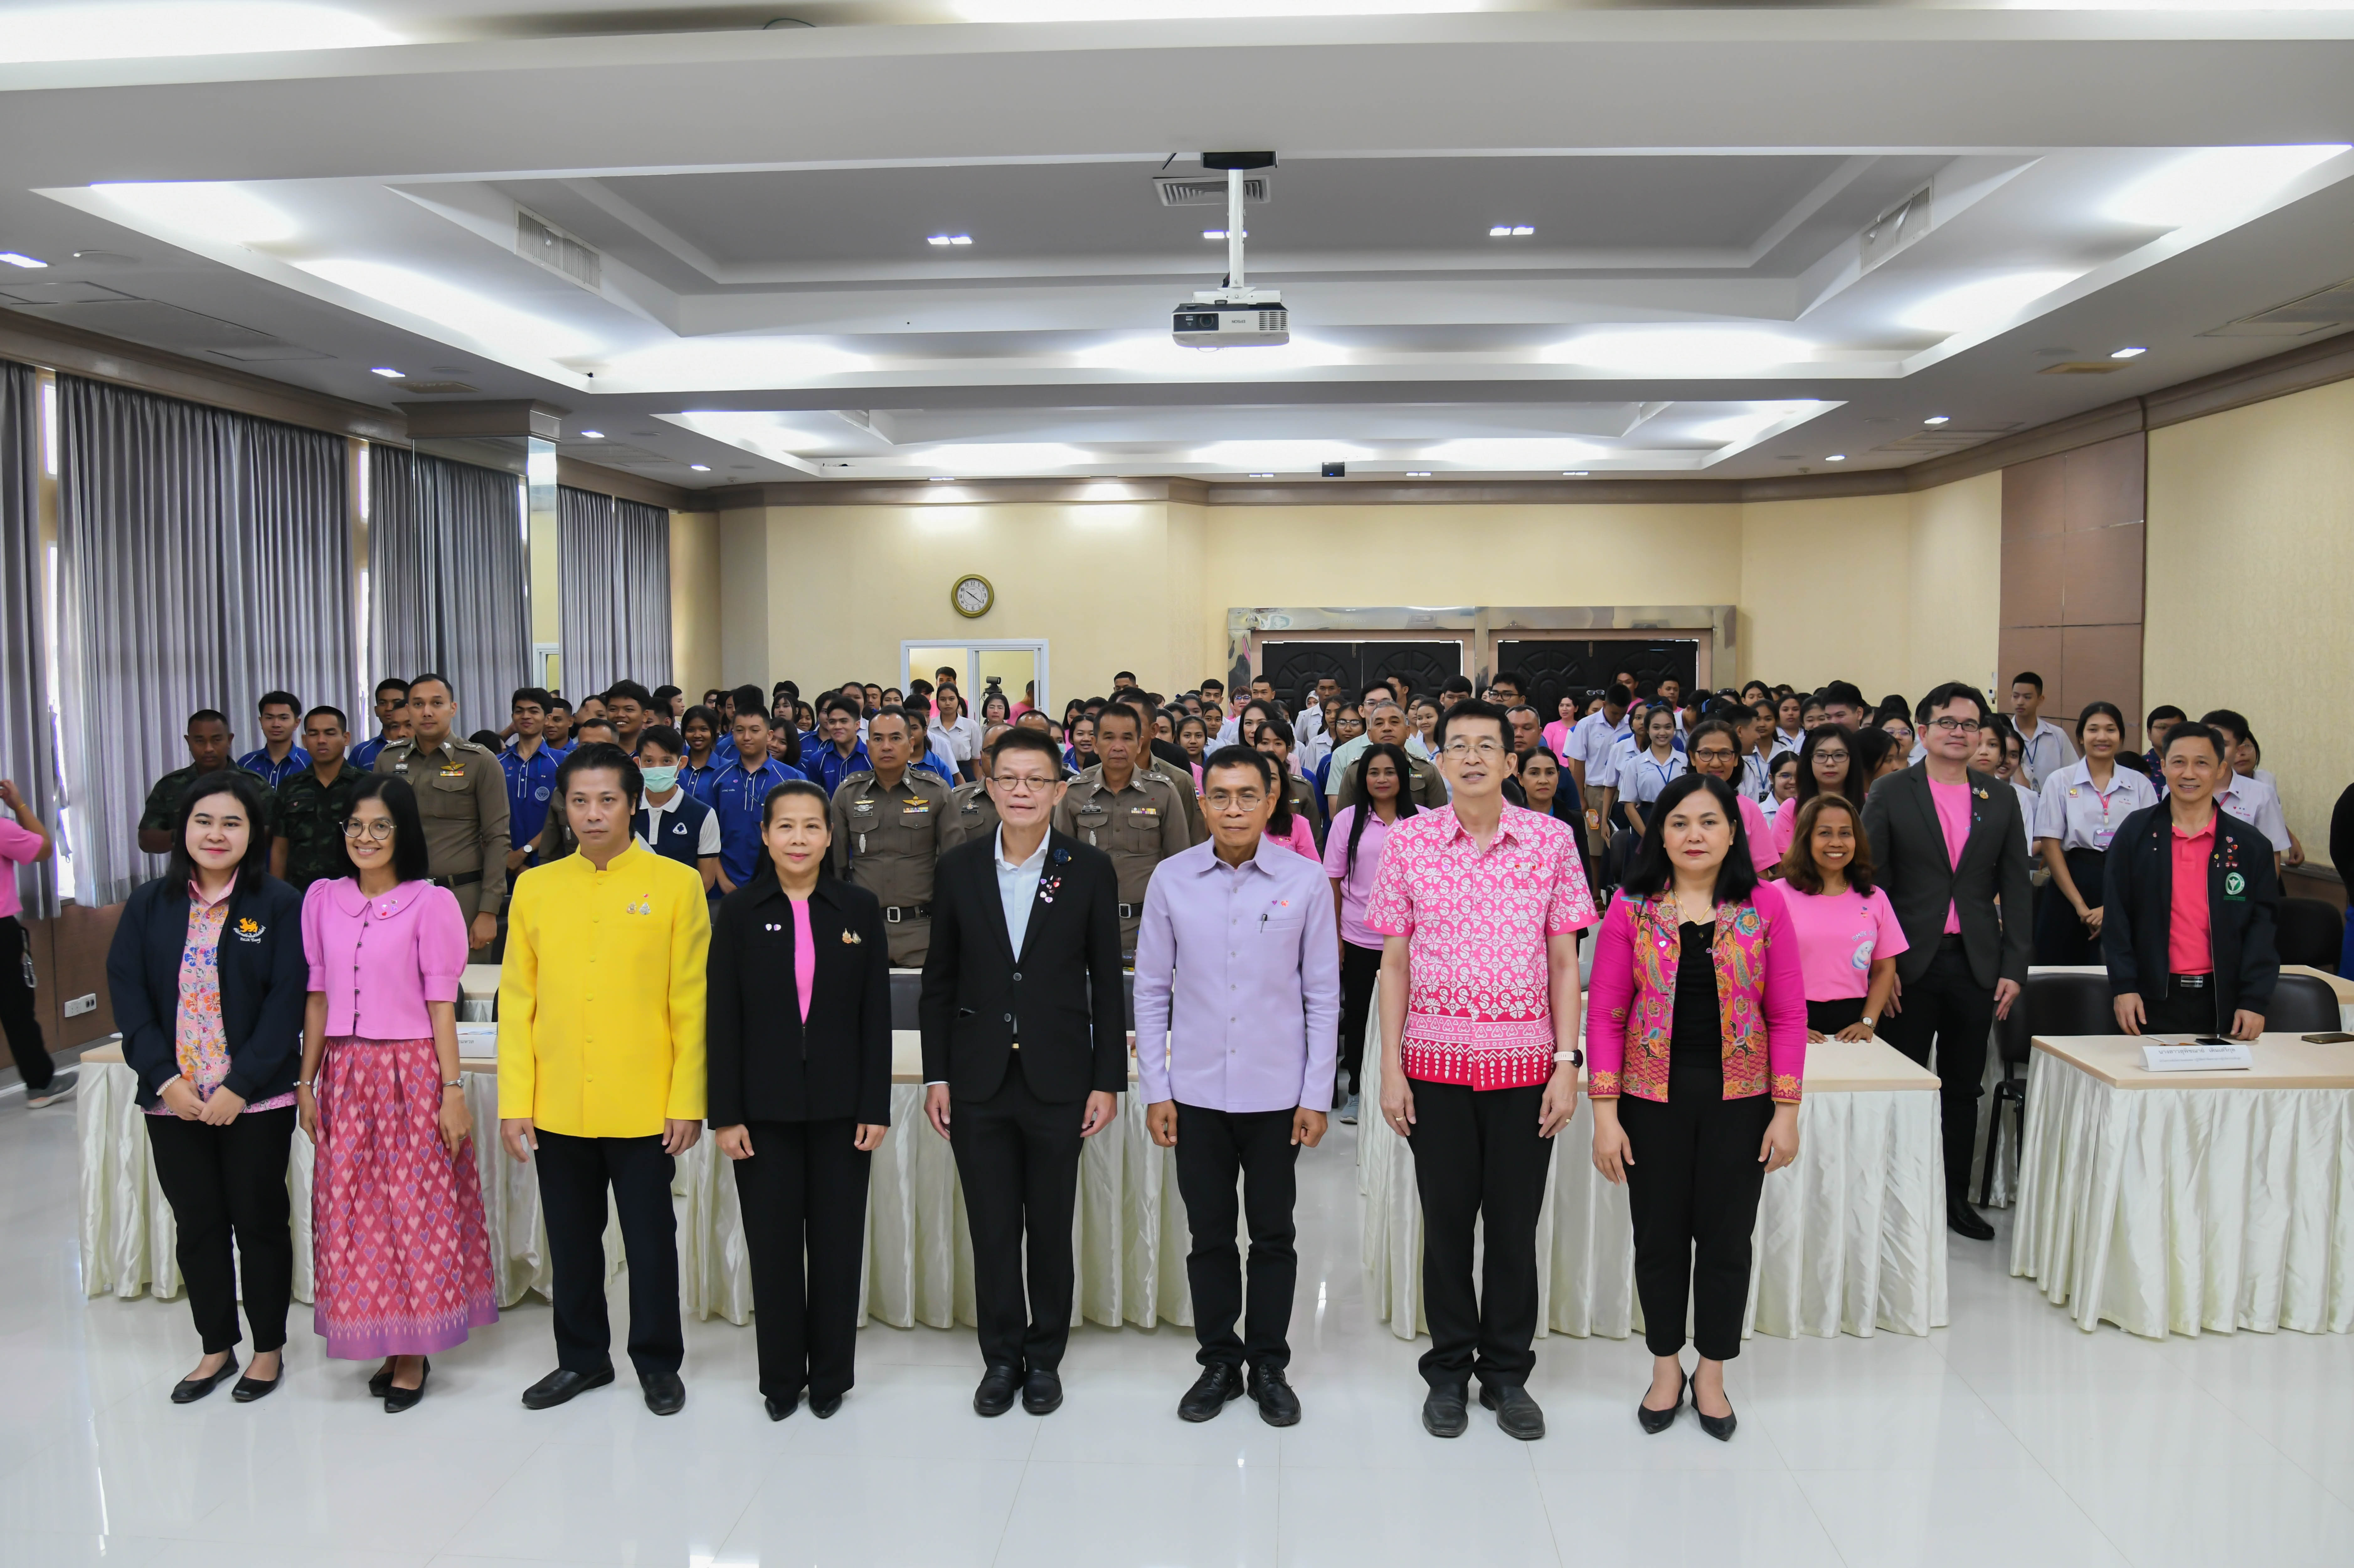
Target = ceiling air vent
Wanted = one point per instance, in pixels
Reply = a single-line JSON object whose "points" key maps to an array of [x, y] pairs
{"points": [[436, 389], [1209, 189], [1946, 438], [537, 240], [2317, 311], [2082, 367]]}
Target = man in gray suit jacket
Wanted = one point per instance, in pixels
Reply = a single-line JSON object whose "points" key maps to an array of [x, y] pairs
{"points": [[1949, 846]]}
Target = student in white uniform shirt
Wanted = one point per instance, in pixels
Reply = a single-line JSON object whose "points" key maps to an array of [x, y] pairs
{"points": [[1789, 723], [2249, 799], [2044, 746], [1997, 753], [1646, 776], [2078, 811], [2247, 760], [1593, 756]]}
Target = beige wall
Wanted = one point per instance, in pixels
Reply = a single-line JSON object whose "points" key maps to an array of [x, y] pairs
{"points": [[2251, 552], [694, 658], [824, 593]]}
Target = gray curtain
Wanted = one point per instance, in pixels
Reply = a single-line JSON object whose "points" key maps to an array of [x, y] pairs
{"points": [[203, 557], [616, 578], [28, 752], [448, 580]]}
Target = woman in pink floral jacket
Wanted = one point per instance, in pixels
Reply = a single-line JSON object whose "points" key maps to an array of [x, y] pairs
{"points": [[1696, 1052]]}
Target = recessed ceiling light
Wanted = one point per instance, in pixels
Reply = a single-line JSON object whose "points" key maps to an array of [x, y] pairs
{"points": [[1510, 231], [1938, 419], [2127, 353], [943, 478], [700, 467], [947, 239], [1836, 457], [1418, 473], [1262, 476], [18, 259], [593, 435], [389, 373], [1573, 473], [1221, 234]]}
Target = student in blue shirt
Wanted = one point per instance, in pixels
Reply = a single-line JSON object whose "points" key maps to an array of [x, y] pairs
{"points": [[530, 767], [739, 793], [844, 753], [279, 758], [556, 729], [702, 765], [391, 700]]}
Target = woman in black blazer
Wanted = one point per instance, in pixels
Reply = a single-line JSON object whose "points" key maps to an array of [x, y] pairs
{"points": [[799, 1058], [207, 978]]}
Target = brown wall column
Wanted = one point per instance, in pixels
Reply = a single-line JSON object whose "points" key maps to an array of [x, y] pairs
{"points": [[2071, 578]]}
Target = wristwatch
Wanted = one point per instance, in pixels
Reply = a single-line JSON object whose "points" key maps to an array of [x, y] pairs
{"points": [[1870, 1022], [1574, 1058]]}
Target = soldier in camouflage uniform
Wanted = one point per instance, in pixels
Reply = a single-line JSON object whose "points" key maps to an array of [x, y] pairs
{"points": [[312, 804]]}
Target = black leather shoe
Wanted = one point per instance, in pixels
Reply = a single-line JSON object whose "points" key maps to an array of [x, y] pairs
{"points": [[1277, 1406], [398, 1399], [189, 1390], [823, 1409], [1042, 1391], [779, 1409], [562, 1385], [1444, 1412], [665, 1393], [1211, 1390], [1657, 1421], [381, 1383], [1965, 1221], [1517, 1415], [248, 1389], [1717, 1426], [998, 1385]]}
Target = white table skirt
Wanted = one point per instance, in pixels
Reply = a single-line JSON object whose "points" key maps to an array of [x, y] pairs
{"points": [[1850, 1240], [919, 1255], [2182, 1210]]}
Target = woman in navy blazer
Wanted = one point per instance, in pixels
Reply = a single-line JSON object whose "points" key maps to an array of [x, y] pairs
{"points": [[799, 1051], [207, 978]]}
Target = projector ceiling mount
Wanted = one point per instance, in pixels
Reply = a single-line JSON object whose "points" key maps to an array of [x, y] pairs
{"points": [[1235, 315]]}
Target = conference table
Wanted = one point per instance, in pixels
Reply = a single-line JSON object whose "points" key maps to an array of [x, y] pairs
{"points": [[919, 1252], [2182, 1201], [1851, 1238]]}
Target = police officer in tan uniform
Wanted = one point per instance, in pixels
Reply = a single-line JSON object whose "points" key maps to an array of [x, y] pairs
{"points": [[1133, 816], [971, 813], [462, 794], [889, 828]]}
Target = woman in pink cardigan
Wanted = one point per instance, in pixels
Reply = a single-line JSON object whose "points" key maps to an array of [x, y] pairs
{"points": [[1696, 1053]]}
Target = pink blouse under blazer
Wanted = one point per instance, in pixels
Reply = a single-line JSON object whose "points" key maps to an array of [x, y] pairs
{"points": [[379, 960], [1761, 995]]}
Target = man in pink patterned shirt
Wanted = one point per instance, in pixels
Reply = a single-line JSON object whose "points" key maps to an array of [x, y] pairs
{"points": [[1479, 903]]}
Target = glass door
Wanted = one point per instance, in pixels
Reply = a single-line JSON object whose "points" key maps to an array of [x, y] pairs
{"points": [[1017, 669]]}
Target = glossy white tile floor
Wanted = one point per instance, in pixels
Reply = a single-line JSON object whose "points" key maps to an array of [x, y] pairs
{"points": [[2012, 1434]]}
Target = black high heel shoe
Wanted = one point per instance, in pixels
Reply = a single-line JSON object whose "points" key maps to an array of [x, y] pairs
{"points": [[189, 1390], [1657, 1421], [398, 1399], [1717, 1426]]}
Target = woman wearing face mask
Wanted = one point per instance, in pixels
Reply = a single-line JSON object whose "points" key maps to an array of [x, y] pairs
{"points": [[401, 1258], [1696, 1031], [1846, 929], [207, 976], [1825, 766], [801, 1094], [2078, 811]]}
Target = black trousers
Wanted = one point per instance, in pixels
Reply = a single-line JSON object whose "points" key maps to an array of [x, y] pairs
{"points": [[2182, 1010], [225, 1181], [1692, 1187], [1214, 1147], [1947, 1006], [804, 1194], [1360, 968], [1478, 1159], [17, 1018], [1018, 1159], [1830, 1017], [2060, 936], [573, 1173]]}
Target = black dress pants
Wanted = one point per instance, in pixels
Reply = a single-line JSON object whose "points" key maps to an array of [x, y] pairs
{"points": [[17, 1018], [1478, 1159], [1947, 1006], [1213, 1148], [804, 1194], [1360, 968], [573, 1173], [225, 1181], [1830, 1017], [2060, 934], [1018, 1160], [2183, 1009], [1692, 1188]]}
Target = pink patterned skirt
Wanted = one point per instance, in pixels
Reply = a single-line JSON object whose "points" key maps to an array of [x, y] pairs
{"points": [[398, 1249]]}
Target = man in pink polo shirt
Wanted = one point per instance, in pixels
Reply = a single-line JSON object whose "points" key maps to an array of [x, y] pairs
{"points": [[1479, 903]]}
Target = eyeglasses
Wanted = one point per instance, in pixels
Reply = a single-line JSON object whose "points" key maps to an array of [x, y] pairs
{"points": [[1024, 783], [380, 829], [1484, 748], [1954, 725], [1713, 753]]}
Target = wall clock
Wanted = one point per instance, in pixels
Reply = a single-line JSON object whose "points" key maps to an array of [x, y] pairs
{"points": [[972, 596]]}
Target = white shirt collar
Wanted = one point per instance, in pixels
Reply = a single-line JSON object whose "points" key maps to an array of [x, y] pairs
{"points": [[1035, 857]]}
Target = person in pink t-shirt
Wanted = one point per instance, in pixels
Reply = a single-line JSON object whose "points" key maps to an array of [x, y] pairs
{"points": [[1848, 934], [23, 842]]}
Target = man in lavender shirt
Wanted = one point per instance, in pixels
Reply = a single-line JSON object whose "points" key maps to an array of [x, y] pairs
{"points": [[1239, 1078]]}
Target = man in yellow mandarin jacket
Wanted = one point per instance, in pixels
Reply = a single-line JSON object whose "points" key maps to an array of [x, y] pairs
{"points": [[601, 1071]]}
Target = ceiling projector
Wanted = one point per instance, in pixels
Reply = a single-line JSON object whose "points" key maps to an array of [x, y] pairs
{"points": [[1235, 315]]}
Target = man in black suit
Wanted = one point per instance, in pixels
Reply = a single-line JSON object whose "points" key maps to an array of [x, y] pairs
{"points": [[1025, 1053], [1947, 845]]}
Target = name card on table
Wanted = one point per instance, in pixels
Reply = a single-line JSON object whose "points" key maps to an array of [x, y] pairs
{"points": [[2222, 1057], [478, 1041]]}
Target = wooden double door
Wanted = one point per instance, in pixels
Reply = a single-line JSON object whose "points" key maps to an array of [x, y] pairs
{"points": [[1295, 667], [1549, 666]]}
